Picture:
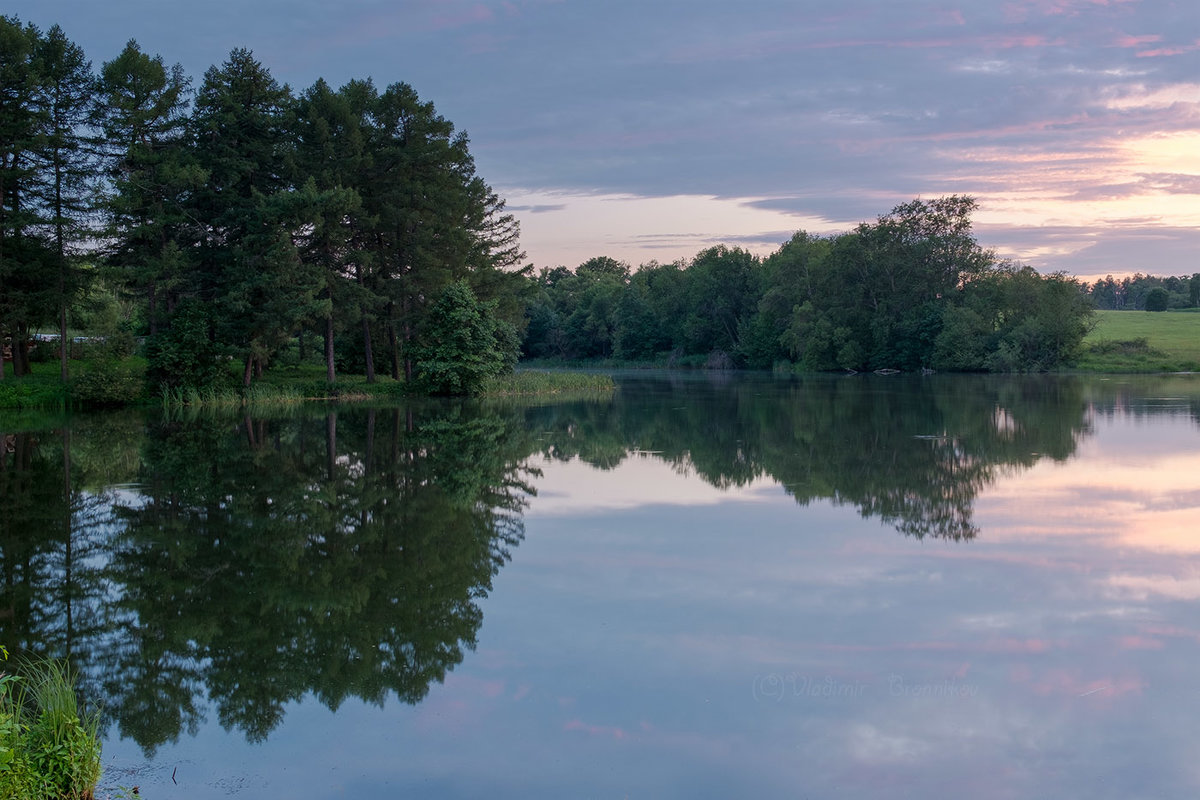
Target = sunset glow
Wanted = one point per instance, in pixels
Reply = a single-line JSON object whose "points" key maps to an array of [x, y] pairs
{"points": [[649, 132]]}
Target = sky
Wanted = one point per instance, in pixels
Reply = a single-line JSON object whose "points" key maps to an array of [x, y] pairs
{"points": [[650, 130]]}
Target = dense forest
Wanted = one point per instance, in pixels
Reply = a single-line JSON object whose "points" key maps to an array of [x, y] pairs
{"points": [[242, 215], [242, 220]]}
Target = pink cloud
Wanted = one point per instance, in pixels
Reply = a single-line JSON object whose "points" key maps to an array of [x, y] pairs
{"points": [[1173, 631], [1167, 51], [595, 730], [1139, 643], [1137, 41], [1022, 10]]}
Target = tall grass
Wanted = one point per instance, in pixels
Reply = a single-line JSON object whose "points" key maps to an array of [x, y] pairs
{"points": [[259, 396], [537, 382], [49, 748]]}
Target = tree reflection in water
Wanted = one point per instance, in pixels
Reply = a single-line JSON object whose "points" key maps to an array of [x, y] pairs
{"points": [[238, 564]]}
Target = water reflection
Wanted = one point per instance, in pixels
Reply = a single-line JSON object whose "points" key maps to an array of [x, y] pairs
{"points": [[913, 452], [260, 560], [231, 566]]}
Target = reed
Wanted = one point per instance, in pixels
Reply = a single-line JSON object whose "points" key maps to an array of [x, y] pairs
{"points": [[539, 382]]}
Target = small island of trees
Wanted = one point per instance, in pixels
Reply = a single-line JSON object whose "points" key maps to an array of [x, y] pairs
{"points": [[347, 227]]}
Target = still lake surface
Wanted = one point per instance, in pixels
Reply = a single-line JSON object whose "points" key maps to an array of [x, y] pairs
{"points": [[703, 586]]}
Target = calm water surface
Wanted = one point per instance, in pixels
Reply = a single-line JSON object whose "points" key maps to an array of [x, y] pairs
{"points": [[705, 586]]}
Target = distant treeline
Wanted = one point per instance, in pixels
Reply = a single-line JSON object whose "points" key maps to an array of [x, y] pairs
{"points": [[912, 290], [1140, 292]]}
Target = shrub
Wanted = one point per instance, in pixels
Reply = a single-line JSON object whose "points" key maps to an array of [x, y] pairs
{"points": [[48, 747], [464, 344], [108, 384], [183, 357]]}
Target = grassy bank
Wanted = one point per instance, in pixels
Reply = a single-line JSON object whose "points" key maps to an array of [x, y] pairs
{"points": [[122, 383], [49, 746], [541, 382], [1141, 341]]}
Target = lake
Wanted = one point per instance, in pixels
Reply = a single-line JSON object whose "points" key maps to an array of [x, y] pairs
{"points": [[705, 585]]}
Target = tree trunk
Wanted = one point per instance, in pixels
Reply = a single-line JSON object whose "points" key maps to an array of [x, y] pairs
{"points": [[70, 532], [152, 311], [330, 445], [63, 370], [367, 349], [20, 350], [330, 376], [408, 364], [394, 346], [370, 440], [248, 371]]}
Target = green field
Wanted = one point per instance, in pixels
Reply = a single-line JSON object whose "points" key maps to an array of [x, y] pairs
{"points": [[1141, 341]]}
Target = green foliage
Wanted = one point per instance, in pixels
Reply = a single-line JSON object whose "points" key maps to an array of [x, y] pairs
{"points": [[41, 389], [913, 290], [49, 748], [1014, 320], [1133, 292], [184, 356], [1157, 299], [463, 344], [108, 383], [540, 382]]}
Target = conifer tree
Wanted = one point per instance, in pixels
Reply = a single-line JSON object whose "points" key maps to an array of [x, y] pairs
{"points": [[25, 257], [248, 267], [65, 163], [142, 114]]}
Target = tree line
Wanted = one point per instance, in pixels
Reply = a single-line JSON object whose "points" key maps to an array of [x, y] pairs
{"points": [[242, 214], [1140, 292], [912, 290]]}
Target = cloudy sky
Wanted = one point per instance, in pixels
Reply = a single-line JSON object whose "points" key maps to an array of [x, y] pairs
{"points": [[650, 129]]}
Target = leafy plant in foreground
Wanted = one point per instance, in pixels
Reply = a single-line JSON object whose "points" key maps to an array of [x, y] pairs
{"points": [[48, 747]]}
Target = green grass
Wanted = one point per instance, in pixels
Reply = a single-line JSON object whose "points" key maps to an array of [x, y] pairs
{"points": [[49, 748], [540, 382], [1142, 341], [40, 389]]}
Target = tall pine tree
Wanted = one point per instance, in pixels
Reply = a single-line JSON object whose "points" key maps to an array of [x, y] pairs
{"points": [[26, 258], [249, 271], [65, 164], [142, 112]]}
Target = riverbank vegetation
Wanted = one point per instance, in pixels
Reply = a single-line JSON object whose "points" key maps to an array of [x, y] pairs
{"points": [[49, 746]]}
